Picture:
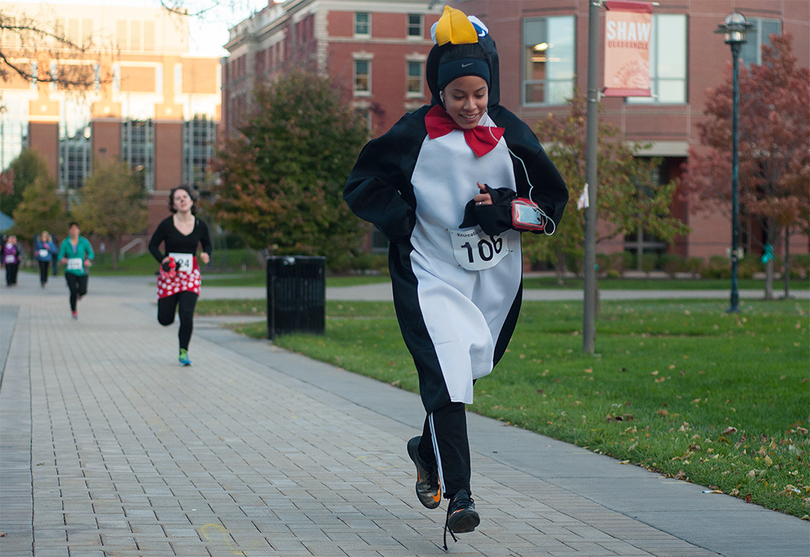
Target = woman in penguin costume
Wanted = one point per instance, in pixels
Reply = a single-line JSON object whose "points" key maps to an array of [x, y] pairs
{"points": [[445, 185]]}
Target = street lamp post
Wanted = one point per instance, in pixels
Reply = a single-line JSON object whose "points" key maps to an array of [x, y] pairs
{"points": [[733, 29]]}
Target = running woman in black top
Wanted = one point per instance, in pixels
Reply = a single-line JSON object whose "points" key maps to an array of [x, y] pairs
{"points": [[178, 285]]}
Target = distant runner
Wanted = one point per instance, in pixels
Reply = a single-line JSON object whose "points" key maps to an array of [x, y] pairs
{"points": [[178, 285]]}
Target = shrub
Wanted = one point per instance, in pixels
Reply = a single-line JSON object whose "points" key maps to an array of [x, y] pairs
{"points": [[365, 263], [800, 265], [603, 263], [649, 262], [574, 259], [749, 266], [694, 265], [719, 267], [622, 261], [671, 263]]}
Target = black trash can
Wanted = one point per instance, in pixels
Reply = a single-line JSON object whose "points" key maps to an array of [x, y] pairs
{"points": [[296, 295]]}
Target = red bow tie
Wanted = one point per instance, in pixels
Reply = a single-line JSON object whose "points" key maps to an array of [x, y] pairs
{"points": [[481, 139]]}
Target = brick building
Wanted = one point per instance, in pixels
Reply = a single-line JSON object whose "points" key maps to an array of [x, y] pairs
{"points": [[687, 58], [158, 111], [377, 48], [374, 49]]}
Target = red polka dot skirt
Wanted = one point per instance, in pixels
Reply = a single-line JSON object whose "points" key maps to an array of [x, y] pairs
{"points": [[171, 282]]}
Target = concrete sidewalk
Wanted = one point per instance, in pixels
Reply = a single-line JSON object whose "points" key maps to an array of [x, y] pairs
{"points": [[107, 447]]}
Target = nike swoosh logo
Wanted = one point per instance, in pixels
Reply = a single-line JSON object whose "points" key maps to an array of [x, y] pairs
{"points": [[466, 65]]}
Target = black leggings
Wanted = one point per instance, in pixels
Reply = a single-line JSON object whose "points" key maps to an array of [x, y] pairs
{"points": [[43, 271], [78, 287], [449, 424], [11, 273], [183, 303]]}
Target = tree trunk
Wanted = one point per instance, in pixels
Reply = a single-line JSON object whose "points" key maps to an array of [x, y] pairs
{"points": [[769, 239], [786, 275], [560, 268], [114, 252], [769, 280]]}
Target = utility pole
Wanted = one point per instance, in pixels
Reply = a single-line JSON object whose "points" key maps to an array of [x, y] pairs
{"points": [[589, 313]]}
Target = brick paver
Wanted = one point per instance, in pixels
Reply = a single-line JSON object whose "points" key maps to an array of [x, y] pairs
{"points": [[109, 448]]}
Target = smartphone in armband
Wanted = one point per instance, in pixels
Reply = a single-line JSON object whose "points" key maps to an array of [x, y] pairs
{"points": [[526, 215]]}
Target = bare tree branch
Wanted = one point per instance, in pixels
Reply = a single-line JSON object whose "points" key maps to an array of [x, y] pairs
{"points": [[25, 41]]}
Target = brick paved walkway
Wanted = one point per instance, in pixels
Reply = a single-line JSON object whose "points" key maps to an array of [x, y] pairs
{"points": [[109, 448]]}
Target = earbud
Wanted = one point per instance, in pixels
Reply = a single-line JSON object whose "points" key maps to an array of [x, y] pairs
{"points": [[441, 96]]}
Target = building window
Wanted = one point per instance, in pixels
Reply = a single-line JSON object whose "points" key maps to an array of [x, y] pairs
{"points": [[415, 86], [138, 149], [75, 144], [549, 58], [362, 24], [362, 77], [13, 128], [751, 52], [415, 26], [667, 61], [199, 139]]}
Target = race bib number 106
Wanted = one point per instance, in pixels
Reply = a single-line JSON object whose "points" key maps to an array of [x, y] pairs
{"points": [[476, 250]]}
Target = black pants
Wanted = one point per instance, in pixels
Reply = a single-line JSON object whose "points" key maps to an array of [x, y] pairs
{"points": [[444, 439], [43, 271], [11, 273], [183, 303], [78, 287]]}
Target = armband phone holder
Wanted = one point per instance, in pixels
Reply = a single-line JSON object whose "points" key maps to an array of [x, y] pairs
{"points": [[526, 215]]}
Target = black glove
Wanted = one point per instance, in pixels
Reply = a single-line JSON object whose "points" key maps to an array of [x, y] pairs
{"points": [[494, 219]]}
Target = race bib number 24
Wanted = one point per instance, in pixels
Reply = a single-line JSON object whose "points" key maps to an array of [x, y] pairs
{"points": [[184, 262], [476, 250]]}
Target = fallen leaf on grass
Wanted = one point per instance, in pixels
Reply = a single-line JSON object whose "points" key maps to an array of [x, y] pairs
{"points": [[662, 412], [790, 490], [748, 498], [768, 460], [620, 418], [730, 430], [680, 475]]}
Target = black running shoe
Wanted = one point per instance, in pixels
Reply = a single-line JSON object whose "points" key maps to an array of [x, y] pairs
{"points": [[461, 516], [427, 477]]}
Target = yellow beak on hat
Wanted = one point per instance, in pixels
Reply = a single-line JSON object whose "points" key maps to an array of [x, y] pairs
{"points": [[454, 27]]}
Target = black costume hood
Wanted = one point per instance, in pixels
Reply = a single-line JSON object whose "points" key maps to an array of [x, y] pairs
{"points": [[487, 45]]}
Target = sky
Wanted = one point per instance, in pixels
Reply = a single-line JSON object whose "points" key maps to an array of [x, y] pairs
{"points": [[208, 33]]}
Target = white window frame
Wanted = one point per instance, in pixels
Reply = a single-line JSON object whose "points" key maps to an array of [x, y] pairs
{"points": [[366, 58], [367, 24], [546, 82], [420, 60], [421, 24], [655, 79]]}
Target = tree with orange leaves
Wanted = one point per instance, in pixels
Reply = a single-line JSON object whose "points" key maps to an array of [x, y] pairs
{"points": [[774, 150]]}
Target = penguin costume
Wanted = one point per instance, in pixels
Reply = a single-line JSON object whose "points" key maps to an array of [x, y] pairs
{"points": [[443, 185]]}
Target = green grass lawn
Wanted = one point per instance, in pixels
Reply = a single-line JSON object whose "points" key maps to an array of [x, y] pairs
{"points": [[228, 272], [682, 388]]}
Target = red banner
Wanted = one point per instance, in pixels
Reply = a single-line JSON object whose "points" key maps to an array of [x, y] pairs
{"points": [[628, 26]]}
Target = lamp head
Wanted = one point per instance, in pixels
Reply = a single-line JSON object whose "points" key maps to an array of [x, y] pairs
{"points": [[734, 28]]}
